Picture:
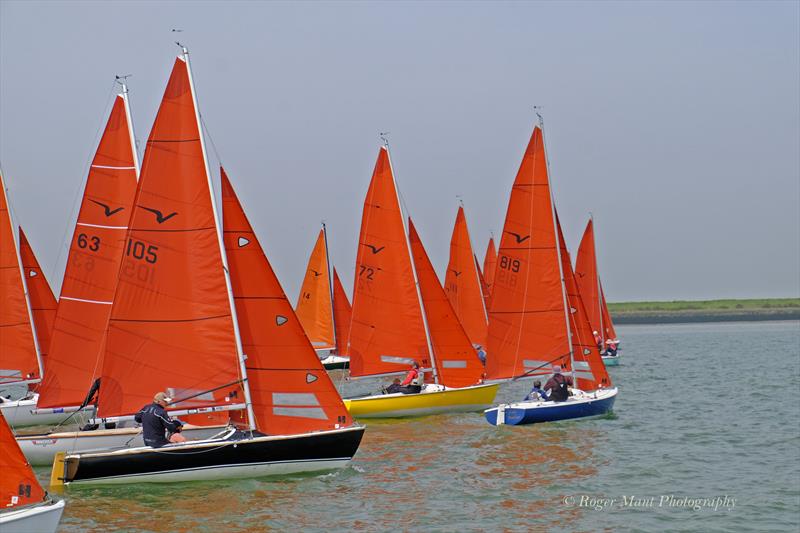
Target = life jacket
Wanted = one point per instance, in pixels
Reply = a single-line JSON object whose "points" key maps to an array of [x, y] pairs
{"points": [[419, 379], [560, 392]]}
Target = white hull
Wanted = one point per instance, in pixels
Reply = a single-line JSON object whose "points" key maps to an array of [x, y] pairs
{"points": [[223, 472], [20, 413], [41, 449], [42, 518]]}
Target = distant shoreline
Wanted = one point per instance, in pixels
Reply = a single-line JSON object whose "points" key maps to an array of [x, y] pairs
{"points": [[705, 311]]}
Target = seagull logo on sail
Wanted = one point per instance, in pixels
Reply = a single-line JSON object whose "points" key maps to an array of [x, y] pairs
{"points": [[374, 249], [316, 274], [520, 239], [456, 272], [160, 218], [107, 208]]}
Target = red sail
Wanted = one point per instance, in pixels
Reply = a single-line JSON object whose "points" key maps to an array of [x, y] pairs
{"points": [[457, 364], [171, 327], [40, 295], [18, 360], [93, 265], [314, 307], [342, 314], [527, 323], [608, 325], [588, 368], [387, 333], [489, 267], [462, 283], [484, 285], [290, 389], [589, 284], [18, 483]]}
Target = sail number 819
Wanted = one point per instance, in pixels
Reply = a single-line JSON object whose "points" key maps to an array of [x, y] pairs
{"points": [[509, 264]]}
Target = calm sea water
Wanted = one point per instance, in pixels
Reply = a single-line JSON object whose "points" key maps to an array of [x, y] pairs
{"points": [[706, 412]]}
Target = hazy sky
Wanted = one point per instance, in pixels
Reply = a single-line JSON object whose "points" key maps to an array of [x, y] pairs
{"points": [[677, 124]]}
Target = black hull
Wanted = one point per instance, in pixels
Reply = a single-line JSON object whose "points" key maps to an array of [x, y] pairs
{"points": [[217, 459]]}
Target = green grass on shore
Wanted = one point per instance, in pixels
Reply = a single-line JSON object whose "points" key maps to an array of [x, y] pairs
{"points": [[765, 304]]}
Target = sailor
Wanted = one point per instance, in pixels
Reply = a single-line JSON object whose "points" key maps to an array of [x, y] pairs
{"points": [[158, 428], [536, 393], [611, 349], [558, 385], [394, 387], [481, 354], [413, 382], [598, 340]]}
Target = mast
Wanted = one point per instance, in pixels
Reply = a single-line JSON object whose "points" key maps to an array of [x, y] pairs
{"points": [[330, 280], [599, 294], [251, 418], [413, 268], [558, 252], [24, 290]]}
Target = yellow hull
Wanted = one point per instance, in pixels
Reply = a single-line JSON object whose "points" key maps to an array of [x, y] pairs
{"points": [[463, 400]]}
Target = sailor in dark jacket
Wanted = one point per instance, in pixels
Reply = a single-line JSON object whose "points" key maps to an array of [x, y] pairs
{"points": [[156, 423]]}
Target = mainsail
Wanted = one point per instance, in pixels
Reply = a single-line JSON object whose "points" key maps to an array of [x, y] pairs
{"points": [[290, 390], [462, 283], [93, 265], [527, 319], [489, 267], [314, 307], [457, 364], [19, 359], [171, 325], [40, 295], [387, 332], [589, 284]]}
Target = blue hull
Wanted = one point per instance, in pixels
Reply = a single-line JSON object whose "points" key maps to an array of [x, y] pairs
{"points": [[520, 414]]}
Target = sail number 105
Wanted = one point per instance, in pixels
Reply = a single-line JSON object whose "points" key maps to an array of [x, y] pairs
{"points": [[139, 250]]}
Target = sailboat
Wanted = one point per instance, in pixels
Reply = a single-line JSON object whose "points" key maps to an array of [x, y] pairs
{"points": [[537, 319], [26, 507], [21, 363], [208, 324], [316, 305], [40, 295], [462, 283], [389, 329], [592, 292]]}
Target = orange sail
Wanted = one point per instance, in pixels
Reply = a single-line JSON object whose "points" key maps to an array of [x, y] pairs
{"points": [[93, 265], [589, 284], [587, 365], [527, 321], [314, 307], [18, 483], [608, 325], [489, 266], [387, 333], [484, 285], [171, 325], [457, 364], [19, 360], [342, 314], [43, 303], [290, 390], [462, 283]]}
